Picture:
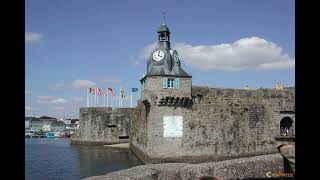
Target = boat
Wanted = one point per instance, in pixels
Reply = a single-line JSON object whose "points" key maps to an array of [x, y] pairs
{"points": [[50, 135]]}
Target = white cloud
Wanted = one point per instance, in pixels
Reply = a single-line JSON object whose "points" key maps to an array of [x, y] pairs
{"points": [[32, 37], [143, 55], [145, 52], [82, 83], [28, 108], [56, 87], [59, 101], [51, 100], [246, 53], [77, 100]]}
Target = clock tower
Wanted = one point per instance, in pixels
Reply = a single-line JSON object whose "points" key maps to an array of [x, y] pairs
{"points": [[163, 66], [165, 101]]}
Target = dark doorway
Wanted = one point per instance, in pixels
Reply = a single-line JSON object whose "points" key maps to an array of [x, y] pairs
{"points": [[286, 128]]}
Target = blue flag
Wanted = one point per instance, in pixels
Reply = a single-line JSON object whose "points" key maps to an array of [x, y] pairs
{"points": [[134, 89]]}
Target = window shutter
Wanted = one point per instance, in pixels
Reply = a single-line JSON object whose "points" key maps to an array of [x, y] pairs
{"points": [[177, 83], [164, 84]]}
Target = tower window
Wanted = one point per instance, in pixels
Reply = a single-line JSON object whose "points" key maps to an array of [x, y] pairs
{"points": [[170, 83], [163, 37]]}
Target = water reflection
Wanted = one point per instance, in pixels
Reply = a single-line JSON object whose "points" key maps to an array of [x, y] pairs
{"points": [[57, 159], [99, 160]]}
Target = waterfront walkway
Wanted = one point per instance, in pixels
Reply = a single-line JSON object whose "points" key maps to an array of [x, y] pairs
{"points": [[123, 145]]}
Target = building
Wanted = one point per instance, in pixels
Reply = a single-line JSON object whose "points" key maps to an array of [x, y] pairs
{"points": [[176, 122], [36, 125], [279, 86], [247, 88], [57, 126], [27, 122]]}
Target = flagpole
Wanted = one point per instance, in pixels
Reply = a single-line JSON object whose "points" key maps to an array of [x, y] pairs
{"points": [[131, 99], [104, 100], [87, 99], [107, 99], [120, 97], [97, 98], [90, 103]]}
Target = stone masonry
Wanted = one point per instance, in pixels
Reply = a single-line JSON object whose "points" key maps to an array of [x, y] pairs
{"points": [[221, 124], [102, 125]]}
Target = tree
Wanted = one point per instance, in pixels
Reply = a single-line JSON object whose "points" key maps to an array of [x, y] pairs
{"points": [[46, 117]]}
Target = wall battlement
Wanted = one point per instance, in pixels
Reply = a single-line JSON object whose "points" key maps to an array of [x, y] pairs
{"points": [[288, 93]]}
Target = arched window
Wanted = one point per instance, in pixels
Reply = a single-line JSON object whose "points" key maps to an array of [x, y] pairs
{"points": [[286, 128]]}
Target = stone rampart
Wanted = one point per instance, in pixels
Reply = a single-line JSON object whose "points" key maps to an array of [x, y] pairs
{"points": [[221, 124], [103, 125]]}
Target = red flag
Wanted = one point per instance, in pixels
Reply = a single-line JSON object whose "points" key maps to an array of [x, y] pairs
{"points": [[113, 93], [99, 92]]}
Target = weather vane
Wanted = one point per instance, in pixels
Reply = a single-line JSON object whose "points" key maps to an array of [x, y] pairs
{"points": [[164, 17]]}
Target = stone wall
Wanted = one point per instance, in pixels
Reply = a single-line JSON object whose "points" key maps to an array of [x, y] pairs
{"points": [[253, 167], [221, 124], [155, 88], [102, 125]]}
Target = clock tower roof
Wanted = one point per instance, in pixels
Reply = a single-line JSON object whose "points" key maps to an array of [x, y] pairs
{"points": [[163, 28], [163, 61]]}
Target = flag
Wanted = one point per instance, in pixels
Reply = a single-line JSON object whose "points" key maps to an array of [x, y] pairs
{"points": [[106, 92], [112, 93], [134, 89], [122, 93], [91, 90], [99, 92]]}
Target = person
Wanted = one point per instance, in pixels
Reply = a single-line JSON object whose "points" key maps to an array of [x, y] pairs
{"points": [[282, 133], [286, 131]]}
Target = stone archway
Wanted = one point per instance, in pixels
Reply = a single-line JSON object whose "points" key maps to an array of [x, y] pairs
{"points": [[286, 126]]}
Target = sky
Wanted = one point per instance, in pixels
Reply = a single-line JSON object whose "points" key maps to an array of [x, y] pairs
{"points": [[71, 45]]}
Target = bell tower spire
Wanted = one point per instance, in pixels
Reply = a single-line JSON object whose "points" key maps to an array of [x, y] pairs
{"points": [[164, 18], [164, 34]]}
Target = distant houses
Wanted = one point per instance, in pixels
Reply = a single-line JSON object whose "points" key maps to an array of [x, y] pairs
{"points": [[58, 126], [48, 124]]}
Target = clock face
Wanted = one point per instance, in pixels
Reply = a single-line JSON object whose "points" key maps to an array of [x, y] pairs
{"points": [[158, 55]]}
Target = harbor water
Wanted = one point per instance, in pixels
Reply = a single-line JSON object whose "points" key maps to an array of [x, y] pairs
{"points": [[55, 158]]}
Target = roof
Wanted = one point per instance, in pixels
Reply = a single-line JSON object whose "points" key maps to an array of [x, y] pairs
{"points": [[35, 120], [28, 118], [57, 123], [163, 28], [178, 71]]}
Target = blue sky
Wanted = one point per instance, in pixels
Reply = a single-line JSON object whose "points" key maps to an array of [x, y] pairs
{"points": [[230, 44]]}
